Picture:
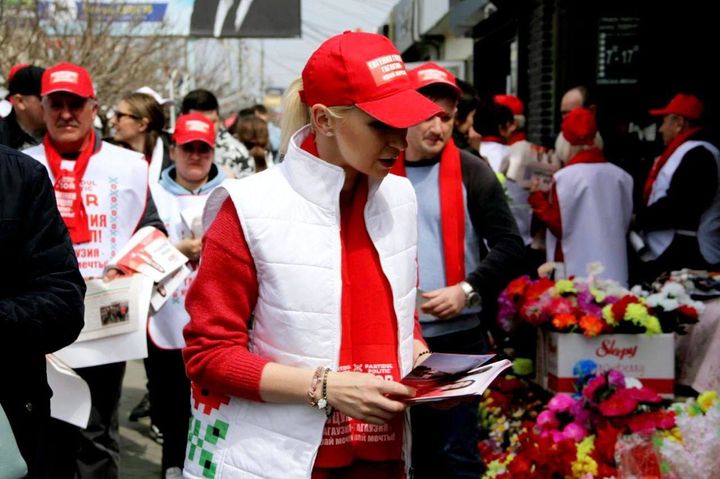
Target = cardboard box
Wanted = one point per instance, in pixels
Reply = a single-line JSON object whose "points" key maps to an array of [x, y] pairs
{"points": [[650, 359]]}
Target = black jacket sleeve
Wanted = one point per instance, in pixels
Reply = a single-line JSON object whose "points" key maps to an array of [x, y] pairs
{"points": [[503, 251], [41, 290], [691, 191], [150, 216]]}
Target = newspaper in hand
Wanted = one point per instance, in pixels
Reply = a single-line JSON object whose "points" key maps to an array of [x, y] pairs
{"points": [[149, 252], [448, 376]]}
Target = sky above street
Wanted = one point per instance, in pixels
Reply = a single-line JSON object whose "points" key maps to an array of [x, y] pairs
{"points": [[321, 19]]}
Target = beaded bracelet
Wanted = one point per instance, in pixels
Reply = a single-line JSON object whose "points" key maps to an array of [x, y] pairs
{"points": [[427, 351]]}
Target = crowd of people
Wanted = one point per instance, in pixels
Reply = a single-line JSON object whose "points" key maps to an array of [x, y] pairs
{"points": [[379, 224]]}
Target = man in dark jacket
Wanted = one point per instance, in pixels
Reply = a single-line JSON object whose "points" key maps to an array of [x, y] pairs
{"points": [[468, 250], [41, 299], [24, 125]]}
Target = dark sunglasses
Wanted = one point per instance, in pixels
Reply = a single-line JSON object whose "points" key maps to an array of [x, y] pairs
{"points": [[119, 115], [199, 148]]}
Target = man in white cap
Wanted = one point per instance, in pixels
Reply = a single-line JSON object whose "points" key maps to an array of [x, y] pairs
{"points": [[103, 197]]}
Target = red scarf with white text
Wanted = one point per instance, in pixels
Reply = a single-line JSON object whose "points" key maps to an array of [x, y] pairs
{"points": [[662, 159], [68, 190], [452, 210]]}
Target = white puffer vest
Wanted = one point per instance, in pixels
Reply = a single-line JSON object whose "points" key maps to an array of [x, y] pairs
{"points": [[595, 208], [708, 233], [291, 220], [115, 192]]}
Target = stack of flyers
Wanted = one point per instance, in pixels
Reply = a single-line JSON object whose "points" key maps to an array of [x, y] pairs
{"points": [[151, 253]]}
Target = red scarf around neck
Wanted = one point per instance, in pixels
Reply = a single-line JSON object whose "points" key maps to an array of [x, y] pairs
{"points": [[517, 136], [662, 159], [593, 155], [452, 210], [493, 139], [68, 190]]}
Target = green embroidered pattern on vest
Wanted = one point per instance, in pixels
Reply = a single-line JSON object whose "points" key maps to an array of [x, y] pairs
{"points": [[213, 434]]}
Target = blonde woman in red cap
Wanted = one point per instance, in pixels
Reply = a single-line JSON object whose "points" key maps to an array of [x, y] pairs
{"points": [[588, 210], [321, 252], [680, 216]]}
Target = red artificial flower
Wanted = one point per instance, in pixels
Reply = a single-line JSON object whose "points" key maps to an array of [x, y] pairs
{"points": [[644, 394], [688, 311], [621, 403], [605, 439], [618, 309], [538, 287], [651, 421], [564, 321], [531, 311], [559, 305], [591, 325], [517, 287]]}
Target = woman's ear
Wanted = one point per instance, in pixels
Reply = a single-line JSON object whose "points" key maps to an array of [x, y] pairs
{"points": [[322, 121], [144, 122]]}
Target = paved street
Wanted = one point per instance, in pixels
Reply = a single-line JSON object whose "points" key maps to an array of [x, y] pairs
{"points": [[140, 454]]}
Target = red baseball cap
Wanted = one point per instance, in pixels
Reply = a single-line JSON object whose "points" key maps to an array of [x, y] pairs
{"points": [[433, 74], [512, 102], [68, 78], [579, 127], [194, 127], [365, 70], [682, 104]]}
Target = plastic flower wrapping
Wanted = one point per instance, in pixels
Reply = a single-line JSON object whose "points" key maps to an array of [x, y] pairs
{"points": [[692, 450], [593, 306]]}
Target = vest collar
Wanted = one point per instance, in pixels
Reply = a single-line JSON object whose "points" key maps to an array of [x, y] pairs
{"points": [[315, 179]]}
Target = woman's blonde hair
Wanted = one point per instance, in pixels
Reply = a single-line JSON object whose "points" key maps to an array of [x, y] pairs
{"points": [[144, 106], [295, 114]]}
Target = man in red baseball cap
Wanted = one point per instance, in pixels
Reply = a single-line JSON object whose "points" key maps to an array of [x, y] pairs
{"points": [[680, 216], [588, 210], [23, 126], [102, 194], [460, 276]]}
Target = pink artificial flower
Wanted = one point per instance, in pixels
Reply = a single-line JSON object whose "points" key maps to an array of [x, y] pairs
{"points": [[644, 394], [561, 403], [547, 420], [575, 432], [531, 311], [616, 379], [593, 386]]}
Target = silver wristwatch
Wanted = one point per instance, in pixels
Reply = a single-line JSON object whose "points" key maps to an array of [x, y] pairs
{"points": [[472, 298]]}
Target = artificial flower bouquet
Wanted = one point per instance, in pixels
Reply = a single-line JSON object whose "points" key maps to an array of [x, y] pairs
{"points": [[576, 435], [593, 306]]}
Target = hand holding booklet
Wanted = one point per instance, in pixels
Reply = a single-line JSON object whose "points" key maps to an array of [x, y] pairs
{"points": [[444, 376]]}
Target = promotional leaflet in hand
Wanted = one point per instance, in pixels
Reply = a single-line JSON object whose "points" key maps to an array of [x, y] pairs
{"points": [[443, 376], [149, 252]]}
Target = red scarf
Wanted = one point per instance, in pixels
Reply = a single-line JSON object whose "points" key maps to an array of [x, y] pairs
{"points": [[452, 210], [593, 155], [662, 159], [493, 139], [68, 190], [517, 136]]}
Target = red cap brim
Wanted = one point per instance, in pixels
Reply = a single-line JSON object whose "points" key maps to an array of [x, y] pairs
{"points": [[188, 138], [73, 90], [659, 112], [401, 110]]}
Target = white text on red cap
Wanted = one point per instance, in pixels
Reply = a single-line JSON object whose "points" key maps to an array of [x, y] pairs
{"points": [[386, 68], [197, 125], [64, 76], [432, 74]]}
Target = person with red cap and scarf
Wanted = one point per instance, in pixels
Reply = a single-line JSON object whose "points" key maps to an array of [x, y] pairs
{"points": [[103, 197], [318, 256], [680, 216], [468, 250], [589, 208]]}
